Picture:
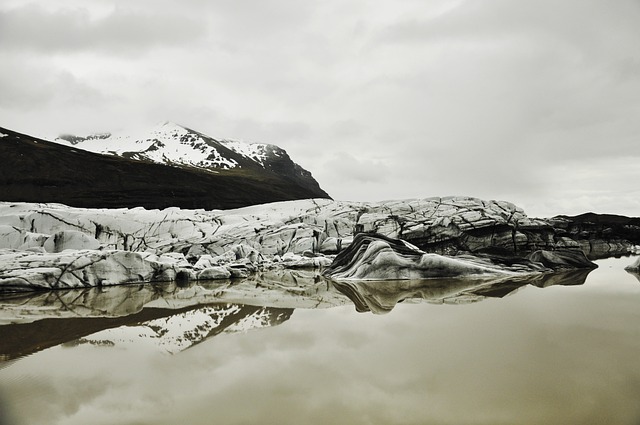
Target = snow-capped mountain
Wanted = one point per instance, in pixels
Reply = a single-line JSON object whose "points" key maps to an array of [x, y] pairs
{"points": [[175, 145], [183, 330], [172, 144], [169, 166]]}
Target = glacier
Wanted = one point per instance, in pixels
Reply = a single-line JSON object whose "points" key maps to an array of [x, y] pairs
{"points": [[53, 246]]}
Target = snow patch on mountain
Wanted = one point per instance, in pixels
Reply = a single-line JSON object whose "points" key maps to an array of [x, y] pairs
{"points": [[178, 332], [172, 144], [257, 152], [262, 318], [170, 334]]}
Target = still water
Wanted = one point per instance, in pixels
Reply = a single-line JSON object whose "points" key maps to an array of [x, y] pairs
{"points": [[554, 352]]}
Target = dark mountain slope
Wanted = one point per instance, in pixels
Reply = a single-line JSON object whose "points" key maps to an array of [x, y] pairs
{"points": [[35, 170], [172, 144]]}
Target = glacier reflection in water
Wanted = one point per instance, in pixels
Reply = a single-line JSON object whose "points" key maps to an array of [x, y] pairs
{"points": [[563, 354]]}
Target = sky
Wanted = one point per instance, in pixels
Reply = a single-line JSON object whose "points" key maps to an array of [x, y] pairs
{"points": [[537, 103]]}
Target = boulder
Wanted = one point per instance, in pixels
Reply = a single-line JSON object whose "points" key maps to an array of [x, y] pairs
{"points": [[333, 245], [11, 237], [377, 257], [23, 270], [70, 239], [238, 271], [214, 273]]}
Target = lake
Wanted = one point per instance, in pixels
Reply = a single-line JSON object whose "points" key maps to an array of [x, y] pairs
{"points": [[553, 352]]}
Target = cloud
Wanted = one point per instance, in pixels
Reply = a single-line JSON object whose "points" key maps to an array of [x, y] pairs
{"points": [[40, 86], [463, 20], [274, 132], [445, 97], [360, 169], [120, 32]]}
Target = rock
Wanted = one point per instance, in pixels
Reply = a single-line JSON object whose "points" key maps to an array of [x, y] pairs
{"points": [[70, 239], [497, 234], [33, 240], [377, 257], [330, 245], [11, 237], [333, 245], [34, 249], [308, 263], [176, 259], [440, 225], [238, 271], [16, 238], [600, 235], [290, 256], [206, 261], [214, 273], [20, 271], [295, 261]]}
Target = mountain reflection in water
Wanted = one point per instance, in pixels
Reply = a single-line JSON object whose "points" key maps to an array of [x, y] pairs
{"points": [[177, 317], [563, 354]]}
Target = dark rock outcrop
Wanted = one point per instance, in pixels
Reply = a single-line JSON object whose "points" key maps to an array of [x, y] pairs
{"points": [[377, 257], [453, 225], [600, 235]]}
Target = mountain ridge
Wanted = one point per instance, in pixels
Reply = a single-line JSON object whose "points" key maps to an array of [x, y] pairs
{"points": [[38, 170], [176, 145]]}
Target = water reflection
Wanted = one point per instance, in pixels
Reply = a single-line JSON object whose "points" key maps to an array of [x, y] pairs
{"points": [[563, 354], [278, 288], [382, 297], [174, 317], [635, 274]]}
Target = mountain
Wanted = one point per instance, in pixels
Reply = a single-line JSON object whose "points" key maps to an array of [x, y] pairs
{"points": [[166, 329], [35, 170], [175, 145], [183, 330]]}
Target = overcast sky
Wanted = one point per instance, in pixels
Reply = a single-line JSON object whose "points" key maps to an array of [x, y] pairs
{"points": [[534, 102]]}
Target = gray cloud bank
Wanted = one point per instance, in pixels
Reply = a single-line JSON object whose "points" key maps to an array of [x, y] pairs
{"points": [[533, 102], [68, 30]]}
